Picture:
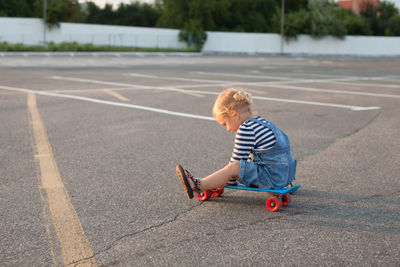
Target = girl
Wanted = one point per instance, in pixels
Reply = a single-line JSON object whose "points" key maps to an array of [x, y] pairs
{"points": [[261, 156]]}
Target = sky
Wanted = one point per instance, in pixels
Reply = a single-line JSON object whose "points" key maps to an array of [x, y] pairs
{"points": [[115, 3], [396, 2]]}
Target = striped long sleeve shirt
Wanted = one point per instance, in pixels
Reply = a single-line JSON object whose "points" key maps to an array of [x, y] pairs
{"points": [[252, 135]]}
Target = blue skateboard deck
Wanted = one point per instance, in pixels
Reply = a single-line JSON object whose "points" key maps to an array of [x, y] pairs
{"points": [[282, 191]]}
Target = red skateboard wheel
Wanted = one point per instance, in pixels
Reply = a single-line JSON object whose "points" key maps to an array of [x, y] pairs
{"points": [[217, 192], [286, 199], [274, 203], [203, 196]]}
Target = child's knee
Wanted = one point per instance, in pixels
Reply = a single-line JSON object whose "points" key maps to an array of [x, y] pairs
{"points": [[235, 163], [234, 166]]}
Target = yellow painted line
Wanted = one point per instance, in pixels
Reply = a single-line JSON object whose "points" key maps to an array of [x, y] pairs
{"points": [[74, 245], [117, 95], [9, 93]]}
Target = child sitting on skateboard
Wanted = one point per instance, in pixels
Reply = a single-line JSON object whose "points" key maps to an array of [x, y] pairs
{"points": [[261, 156]]}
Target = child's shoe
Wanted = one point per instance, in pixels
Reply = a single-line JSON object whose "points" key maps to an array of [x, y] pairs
{"points": [[189, 183]]}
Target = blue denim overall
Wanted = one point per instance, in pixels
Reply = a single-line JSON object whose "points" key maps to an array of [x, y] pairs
{"points": [[274, 168]]}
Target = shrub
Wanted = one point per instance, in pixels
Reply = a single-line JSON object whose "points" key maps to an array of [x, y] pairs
{"points": [[296, 23], [354, 24], [394, 25]]}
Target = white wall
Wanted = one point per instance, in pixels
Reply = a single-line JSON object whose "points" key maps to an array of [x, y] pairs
{"points": [[30, 31], [21, 30], [242, 42], [351, 45], [116, 35], [271, 43]]}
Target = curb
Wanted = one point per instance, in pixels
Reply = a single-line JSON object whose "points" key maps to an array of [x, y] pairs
{"points": [[97, 54]]}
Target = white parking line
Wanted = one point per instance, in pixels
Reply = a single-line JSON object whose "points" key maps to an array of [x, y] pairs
{"points": [[368, 84], [395, 79], [174, 78], [133, 86], [274, 77], [220, 82], [99, 101], [276, 84], [354, 108], [174, 113], [288, 80], [88, 90], [330, 91], [244, 75]]}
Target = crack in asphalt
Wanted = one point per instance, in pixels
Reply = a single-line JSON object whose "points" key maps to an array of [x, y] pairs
{"points": [[75, 263]]}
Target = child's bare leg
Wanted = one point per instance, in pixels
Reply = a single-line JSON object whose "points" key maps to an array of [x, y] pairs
{"points": [[221, 177]]}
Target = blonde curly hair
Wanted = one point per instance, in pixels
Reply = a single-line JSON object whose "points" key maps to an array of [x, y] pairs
{"points": [[231, 99]]}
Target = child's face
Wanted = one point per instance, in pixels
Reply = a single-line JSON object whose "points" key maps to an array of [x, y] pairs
{"points": [[232, 123]]}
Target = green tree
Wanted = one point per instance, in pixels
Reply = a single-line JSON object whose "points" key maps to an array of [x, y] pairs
{"points": [[137, 14], [323, 21], [296, 23], [293, 6], [381, 19], [59, 11], [369, 14], [194, 17], [191, 16], [134, 14], [387, 15], [93, 13], [17, 8], [246, 16], [394, 26], [174, 13], [354, 24], [198, 19], [107, 15], [318, 19]]}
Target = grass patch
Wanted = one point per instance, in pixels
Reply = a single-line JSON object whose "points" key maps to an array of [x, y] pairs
{"points": [[76, 47]]}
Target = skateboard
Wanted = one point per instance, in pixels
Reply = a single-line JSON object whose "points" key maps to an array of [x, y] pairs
{"points": [[280, 197]]}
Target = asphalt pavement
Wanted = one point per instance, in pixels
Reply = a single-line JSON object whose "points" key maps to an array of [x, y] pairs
{"points": [[113, 128]]}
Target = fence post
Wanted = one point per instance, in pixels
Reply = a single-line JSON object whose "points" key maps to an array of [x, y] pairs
{"points": [[44, 21], [136, 37], [282, 24], [190, 40]]}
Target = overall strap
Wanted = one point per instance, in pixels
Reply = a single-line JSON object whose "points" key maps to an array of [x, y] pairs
{"points": [[260, 122], [273, 128], [282, 141]]}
